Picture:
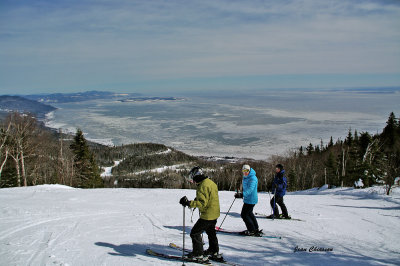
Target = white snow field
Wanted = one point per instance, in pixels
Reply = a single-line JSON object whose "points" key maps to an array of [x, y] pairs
{"points": [[59, 225]]}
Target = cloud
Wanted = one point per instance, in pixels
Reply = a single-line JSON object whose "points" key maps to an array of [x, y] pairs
{"points": [[104, 42]]}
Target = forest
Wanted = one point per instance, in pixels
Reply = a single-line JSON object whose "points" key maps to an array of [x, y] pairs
{"points": [[31, 154], [375, 159]]}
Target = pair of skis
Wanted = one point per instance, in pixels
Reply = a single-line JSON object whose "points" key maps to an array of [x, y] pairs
{"points": [[262, 215], [209, 262], [174, 257], [221, 230]]}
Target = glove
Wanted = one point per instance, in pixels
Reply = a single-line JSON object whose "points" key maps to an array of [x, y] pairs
{"points": [[184, 201], [238, 195]]}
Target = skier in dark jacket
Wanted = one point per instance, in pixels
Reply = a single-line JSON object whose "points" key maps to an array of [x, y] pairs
{"points": [[207, 202], [279, 186]]}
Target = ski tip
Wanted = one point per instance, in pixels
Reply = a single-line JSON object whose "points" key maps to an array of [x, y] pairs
{"points": [[149, 251], [173, 245]]}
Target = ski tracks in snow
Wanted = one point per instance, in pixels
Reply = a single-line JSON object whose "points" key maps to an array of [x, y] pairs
{"points": [[39, 256], [29, 226], [154, 222], [42, 237]]}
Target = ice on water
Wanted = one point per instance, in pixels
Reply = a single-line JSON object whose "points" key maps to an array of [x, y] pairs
{"points": [[254, 125]]}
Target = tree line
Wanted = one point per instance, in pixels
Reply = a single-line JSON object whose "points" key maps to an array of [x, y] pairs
{"points": [[373, 158], [31, 154]]}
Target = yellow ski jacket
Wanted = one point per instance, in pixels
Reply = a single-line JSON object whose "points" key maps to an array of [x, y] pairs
{"points": [[207, 200]]}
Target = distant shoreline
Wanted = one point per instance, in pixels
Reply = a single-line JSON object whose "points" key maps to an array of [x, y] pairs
{"points": [[151, 99]]}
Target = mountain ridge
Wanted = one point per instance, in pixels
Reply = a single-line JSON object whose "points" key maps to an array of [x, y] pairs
{"points": [[22, 105]]}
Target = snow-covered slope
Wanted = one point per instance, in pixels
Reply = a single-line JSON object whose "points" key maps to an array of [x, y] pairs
{"points": [[58, 225]]}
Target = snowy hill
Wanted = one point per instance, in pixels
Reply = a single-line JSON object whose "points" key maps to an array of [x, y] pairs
{"points": [[10, 104], [58, 225]]}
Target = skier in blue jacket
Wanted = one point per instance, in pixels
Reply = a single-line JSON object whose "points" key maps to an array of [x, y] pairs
{"points": [[250, 199], [279, 186]]}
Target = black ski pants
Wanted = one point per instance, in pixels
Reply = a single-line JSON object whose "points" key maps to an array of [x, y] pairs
{"points": [[248, 217], [197, 241], [279, 200]]}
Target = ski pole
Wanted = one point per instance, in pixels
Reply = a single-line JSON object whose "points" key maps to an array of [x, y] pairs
{"points": [[183, 250], [272, 211], [273, 216], [220, 226]]}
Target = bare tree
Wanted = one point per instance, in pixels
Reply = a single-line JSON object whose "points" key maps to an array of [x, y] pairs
{"points": [[22, 129], [4, 137]]}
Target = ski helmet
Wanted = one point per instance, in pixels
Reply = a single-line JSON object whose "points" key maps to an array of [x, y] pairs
{"points": [[246, 167], [196, 171]]}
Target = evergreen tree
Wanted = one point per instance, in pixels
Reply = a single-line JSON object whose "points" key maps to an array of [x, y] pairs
{"points": [[310, 149], [356, 139], [391, 148], [354, 165], [301, 152], [317, 149], [364, 141], [330, 144], [390, 132], [349, 139], [331, 168], [87, 171]]}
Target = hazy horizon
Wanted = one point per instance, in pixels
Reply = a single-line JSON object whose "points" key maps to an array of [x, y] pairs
{"points": [[162, 46], [177, 93]]}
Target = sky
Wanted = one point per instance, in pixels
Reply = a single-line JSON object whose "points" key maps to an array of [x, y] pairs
{"points": [[160, 46]]}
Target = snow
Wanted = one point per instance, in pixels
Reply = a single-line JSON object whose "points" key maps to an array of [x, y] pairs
{"points": [[105, 142], [174, 167], [165, 152], [108, 170], [324, 187], [359, 183], [59, 225]]}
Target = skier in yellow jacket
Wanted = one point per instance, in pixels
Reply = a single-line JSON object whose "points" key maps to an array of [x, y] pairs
{"points": [[207, 202]]}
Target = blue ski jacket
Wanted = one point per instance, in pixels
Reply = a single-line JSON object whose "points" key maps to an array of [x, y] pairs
{"points": [[250, 184], [280, 184]]}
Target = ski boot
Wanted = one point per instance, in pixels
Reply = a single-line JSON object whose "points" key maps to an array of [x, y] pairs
{"points": [[258, 233], [196, 258], [285, 217], [215, 256], [246, 233], [273, 216]]}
